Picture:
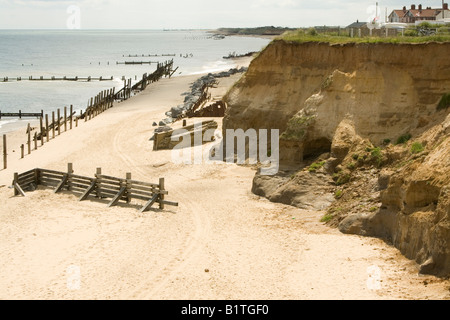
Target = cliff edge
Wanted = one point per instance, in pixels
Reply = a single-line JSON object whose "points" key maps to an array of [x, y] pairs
{"points": [[364, 135]]}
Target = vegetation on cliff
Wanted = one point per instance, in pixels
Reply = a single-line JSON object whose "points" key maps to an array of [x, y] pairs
{"points": [[311, 35]]}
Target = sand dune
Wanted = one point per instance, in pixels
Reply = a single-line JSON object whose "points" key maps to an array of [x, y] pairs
{"points": [[222, 242]]}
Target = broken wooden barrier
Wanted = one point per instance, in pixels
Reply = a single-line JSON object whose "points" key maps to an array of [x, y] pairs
{"points": [[169, 139], [101, 186]]}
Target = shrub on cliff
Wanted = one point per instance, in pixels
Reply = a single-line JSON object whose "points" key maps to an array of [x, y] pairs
{"points": [[445, 102]]}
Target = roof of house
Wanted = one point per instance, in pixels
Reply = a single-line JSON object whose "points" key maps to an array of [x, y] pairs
{"points": [[400, 13], [357, 25], [426, 13]]}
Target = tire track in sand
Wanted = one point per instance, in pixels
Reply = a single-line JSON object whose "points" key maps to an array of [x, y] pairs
{"points": [[157, 280]]}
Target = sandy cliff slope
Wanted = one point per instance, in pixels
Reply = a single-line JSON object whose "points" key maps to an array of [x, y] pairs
{"points": [[373, 122]]}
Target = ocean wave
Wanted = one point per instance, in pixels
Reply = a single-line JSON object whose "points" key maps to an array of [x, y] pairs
{"points": [[216, 66], [4, 122]]}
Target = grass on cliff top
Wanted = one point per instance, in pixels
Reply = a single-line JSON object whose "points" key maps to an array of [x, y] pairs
{"points": [[308, 36]]}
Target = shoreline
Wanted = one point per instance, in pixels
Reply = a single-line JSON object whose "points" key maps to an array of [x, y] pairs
{"points": [[210, 247]]}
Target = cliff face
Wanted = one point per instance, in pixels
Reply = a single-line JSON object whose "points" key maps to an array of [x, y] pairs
{"points": [[346, 103]]}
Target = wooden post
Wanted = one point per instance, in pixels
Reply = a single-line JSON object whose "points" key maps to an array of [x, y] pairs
{"points": [[16, 181], [53, 123], [47, 133], [35, 140], [129, 88], [128, 186], [156, 141], [161, 196], [5, 153], [69, 176], [22, 154], [71, 116], [42, 131], [76, 122], [59, 122], [29, 139], [65, 119], [112, 97], [97, 174], [184, 122]]}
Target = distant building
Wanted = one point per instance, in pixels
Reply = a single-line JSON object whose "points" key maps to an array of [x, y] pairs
{"points": [[415, 14], [357, 25], [358, 29]]}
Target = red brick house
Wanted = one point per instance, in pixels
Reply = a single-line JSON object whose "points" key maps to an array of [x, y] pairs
{"points": [[418, 14]]}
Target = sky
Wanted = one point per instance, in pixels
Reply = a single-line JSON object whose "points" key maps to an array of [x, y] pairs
{"points": [[190, 14]]}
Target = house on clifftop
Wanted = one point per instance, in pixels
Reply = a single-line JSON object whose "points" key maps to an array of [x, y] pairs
{"points": [[419, 14]]}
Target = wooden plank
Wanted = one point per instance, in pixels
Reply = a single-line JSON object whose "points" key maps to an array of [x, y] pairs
{"points": [[117, 197], [106, 191], [144, 198], [74, 176], [51, 180], [108, 186], [88, 191], [81, 186], [49, 184], [27, 173], [170, 203], [103, 177], [52, 172], [140, 183], [51, 175], [149, 203], [108, 181], [146, 193], [26, 181], [84, 182], [18, 189], [143, 188], [62, 183], [142, 193]]}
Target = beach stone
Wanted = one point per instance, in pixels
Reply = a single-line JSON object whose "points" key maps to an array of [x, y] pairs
{"points": [[165, 121], [154, 124], [163, 129]]}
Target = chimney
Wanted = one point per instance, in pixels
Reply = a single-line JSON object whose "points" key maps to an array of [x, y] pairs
{"points": [[413, 7], [445, 6], [420, 7]]}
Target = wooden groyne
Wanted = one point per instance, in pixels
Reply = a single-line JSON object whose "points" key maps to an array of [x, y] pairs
{"points": [[53, 78], [136, 62], [149, 55], [162, 70], [21, 114], [100, 187], [66, 119]]}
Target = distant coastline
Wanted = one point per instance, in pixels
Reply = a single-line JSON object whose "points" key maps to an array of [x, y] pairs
{"points": [[259, 32]]}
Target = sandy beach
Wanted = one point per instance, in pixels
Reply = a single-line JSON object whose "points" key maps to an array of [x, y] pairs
{"points": [[221, 242]]}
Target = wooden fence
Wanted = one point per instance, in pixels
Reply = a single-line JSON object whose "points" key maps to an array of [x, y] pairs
{"points": [[21, 114], [66, 120], [100, 187], [53, 78]]}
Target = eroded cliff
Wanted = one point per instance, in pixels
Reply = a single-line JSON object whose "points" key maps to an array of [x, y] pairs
{"points": [[365, 135]]}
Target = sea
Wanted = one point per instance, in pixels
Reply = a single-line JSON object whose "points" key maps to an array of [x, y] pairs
{"points": [[100, 53]]}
